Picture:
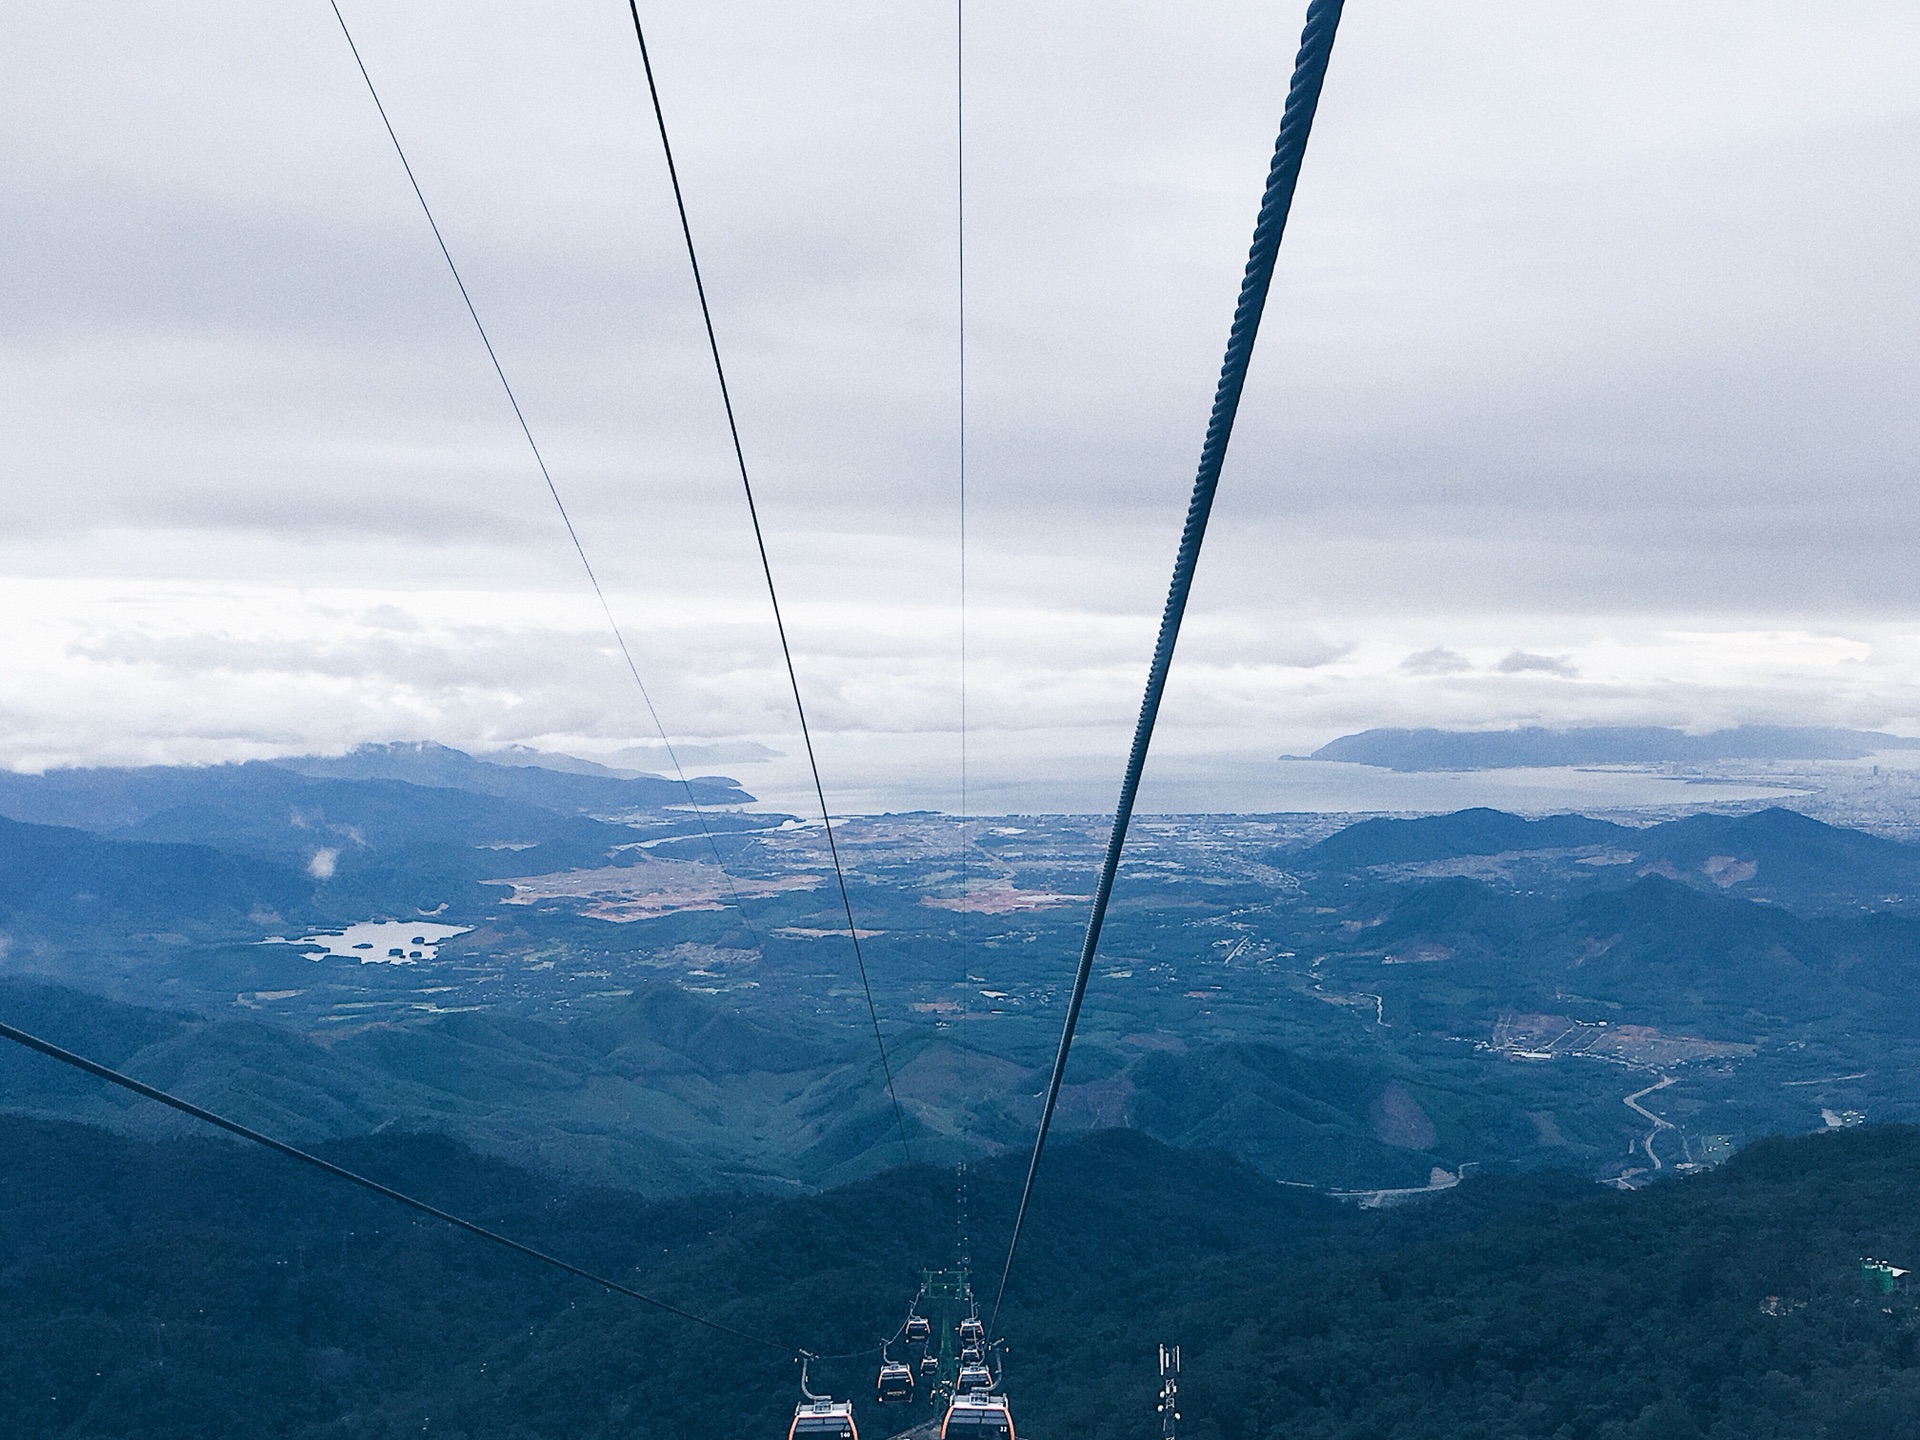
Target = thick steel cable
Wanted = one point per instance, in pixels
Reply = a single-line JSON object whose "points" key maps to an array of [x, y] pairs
{"points": [[766, 569], [1303, 95], [960, 268], [340, 1172], [540, 460]]}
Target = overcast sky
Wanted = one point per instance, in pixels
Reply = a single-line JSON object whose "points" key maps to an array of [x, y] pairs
{"points": [[1586, 393]]}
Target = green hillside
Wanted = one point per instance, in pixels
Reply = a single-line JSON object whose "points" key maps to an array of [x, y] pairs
{"points": [[194, 1288]]}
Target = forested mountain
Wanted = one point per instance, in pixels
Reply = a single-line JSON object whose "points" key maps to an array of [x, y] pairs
{"points": [[576, 785], [1776, 855], [387, 828], [53, 877], [154, 1290], [112, 799]]}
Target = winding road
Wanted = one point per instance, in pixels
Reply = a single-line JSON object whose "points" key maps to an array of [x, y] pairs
{"points": [[1632, 1102]]}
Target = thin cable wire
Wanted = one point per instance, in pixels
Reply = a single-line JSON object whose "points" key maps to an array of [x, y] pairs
{"points": [[339, 1172], [1303, 95], [566, 519], [766, 568], [960, 266]]}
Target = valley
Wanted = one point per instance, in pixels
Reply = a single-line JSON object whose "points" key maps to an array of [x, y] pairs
{"points": [[1350, 1006]]}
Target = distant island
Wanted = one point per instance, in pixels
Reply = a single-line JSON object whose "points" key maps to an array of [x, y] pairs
{"points": [[1536, 746]]}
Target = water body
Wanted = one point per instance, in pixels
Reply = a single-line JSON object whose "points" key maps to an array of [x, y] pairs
{"points": [[1331, 786], [378, 942], [1083, 780]]}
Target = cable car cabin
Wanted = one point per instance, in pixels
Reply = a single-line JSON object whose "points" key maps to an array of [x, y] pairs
{"points": [[929, 1366], [896, 1383], [825, 1420], [972, 1378], [919, 1330], [978, 1417], [972, 1355], [972, 1332]]}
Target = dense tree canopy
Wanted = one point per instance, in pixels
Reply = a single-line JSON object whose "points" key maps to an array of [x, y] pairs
{"points": [[192, 1288]]}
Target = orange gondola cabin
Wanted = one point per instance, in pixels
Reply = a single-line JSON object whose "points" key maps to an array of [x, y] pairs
{"points": [[978, 1416], [826, 1420], [895, 1385]]}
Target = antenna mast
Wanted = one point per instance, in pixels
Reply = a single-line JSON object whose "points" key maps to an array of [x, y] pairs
{"points": [[1169, 1392]]}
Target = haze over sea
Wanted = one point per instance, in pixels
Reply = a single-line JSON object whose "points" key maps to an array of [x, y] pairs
{"points": [[1078, 775]]}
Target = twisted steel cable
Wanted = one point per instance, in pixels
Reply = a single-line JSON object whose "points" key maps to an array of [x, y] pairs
{"points": [[1303, 97]]}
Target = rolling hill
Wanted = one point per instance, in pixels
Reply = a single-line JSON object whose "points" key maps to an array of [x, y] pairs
{"points": [[1774, 854]]}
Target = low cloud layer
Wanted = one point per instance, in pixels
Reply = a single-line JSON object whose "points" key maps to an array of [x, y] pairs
{"points": [[109, 672]]}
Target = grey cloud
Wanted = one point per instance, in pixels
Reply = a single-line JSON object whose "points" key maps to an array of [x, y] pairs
{"points": [[729, 752], [1563, 326], [1437, 661], [1519, 662], [1483, 359], [1307, 653]]}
